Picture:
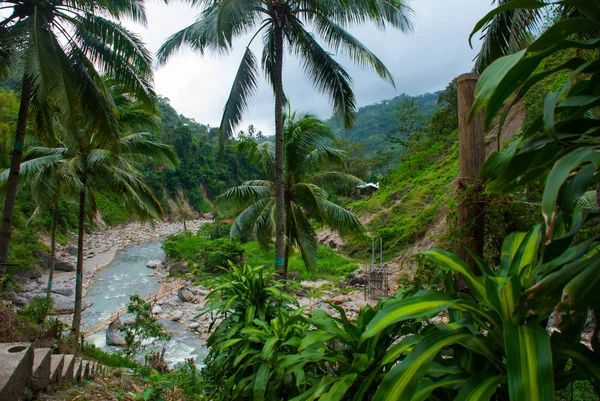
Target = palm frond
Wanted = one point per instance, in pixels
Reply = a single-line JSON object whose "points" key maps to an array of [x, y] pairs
{"points": [[260, 154], [342, 41], [328, 76], [334, 180], [303, 236], [507, 33], [141, 147], [248, 217], [264, 226], [244, 86], [238, 198], [340, 219]]}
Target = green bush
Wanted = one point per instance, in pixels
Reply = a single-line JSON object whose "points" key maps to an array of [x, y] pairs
{"points": [[209, 255], [37, 311]]}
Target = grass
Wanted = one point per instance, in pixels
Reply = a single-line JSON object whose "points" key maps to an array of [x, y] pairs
{"points": [[411, 200], [113, 360], [330, 264]]}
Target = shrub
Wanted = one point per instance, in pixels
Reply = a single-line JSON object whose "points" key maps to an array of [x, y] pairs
{"points": [[37, 311]]}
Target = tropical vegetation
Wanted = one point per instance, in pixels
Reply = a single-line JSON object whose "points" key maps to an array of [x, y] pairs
{"points": [[220, 22], [309, 170], [59, 48]]}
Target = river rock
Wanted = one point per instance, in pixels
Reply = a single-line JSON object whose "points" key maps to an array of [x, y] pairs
{"points": [[20, 299], [113, 335], [302, 293], [64, 266], [66, 291], [174, 301], [66, 305], [176, 315], [355, 279], [156, 310], [194, 325], [154, 264], [185, 295], [339, 300]]}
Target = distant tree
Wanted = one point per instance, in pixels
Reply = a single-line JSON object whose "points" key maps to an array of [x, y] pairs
{"points": [[410, 123], [287, 21], [181, 209], [310, 169]]}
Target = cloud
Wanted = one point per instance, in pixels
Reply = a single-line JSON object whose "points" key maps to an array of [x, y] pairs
{"points": [[424, 61]]}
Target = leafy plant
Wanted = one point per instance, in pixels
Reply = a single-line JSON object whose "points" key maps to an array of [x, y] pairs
{"points": [[38, 310], [145, 326]]}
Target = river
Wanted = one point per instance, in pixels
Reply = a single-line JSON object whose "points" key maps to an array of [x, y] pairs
{"points": [[128, 275]]}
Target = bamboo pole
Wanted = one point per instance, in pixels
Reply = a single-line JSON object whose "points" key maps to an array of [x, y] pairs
{"points": [[471, 157]]}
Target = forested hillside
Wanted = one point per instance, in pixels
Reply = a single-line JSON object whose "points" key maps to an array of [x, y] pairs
{"points": [[375, 121]]}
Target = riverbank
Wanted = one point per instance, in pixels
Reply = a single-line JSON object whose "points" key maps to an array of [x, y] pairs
{"points": [[100, 250]]}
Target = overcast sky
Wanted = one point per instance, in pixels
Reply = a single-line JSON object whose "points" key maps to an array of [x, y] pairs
{"points": [[424, 61]]}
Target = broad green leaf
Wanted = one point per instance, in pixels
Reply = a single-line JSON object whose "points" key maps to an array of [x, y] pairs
{"points": [[543, 297], [529, 363], [497, 162], [561, 30], [315, 337], [401, 382], [427, 387], [260, 384], [422, 304], [557, 177], [402, 347], [450, 261], [267, 350], [339, 389], [479, 388], [491, 78], [510, 246]]}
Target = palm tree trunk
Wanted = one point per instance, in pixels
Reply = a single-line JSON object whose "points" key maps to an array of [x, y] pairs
{"points": [[76, 326], [287, 251], [15, 168], [52, 251], [279, 190]]}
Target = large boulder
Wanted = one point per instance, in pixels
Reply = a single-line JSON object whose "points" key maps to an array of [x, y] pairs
{"points": [[66, 291], [114, 336], [354, 279], [185, 295], [66, 305], [64, 266]]}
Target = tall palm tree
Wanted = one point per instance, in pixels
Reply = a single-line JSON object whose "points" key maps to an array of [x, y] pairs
{"points": [[62, 46], [283, 24], [86, 163], [309, 169]]}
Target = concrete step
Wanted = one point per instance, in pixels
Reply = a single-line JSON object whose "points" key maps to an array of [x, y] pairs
{"points": [[67, 372], [15, 369], [56, 367], [85, 369], [41, 368]]}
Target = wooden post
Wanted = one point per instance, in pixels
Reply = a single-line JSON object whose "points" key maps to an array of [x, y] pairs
{"points": [[471, 155]]}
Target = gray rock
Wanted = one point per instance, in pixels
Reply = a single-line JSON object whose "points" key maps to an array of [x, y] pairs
{"points": [[176, 315], [154, 264], [66, 291], [185, 295], [66, 305], [194, 325], [174, 301], [156, 310], [113, 335], [302, 293], [20, 299], [64, 266]]}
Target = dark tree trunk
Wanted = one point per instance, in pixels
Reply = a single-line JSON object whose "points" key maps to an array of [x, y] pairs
{"points": [[184, 226], [52, 251], [279, 190], [76, 327], [471, 155], [287, 251], [15, 168]]}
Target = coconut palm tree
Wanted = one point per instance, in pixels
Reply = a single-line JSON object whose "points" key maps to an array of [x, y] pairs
{"points": [[310, 169], [62, 46], [88, 164], [284, 26]]}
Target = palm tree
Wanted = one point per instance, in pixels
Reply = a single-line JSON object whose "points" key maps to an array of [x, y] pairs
{"points": [[222, 20], [309, 169], [60, 45], [86, 163]]}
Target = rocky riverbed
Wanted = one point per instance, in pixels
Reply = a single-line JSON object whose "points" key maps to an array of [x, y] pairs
{"points": [[100, 249]]}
